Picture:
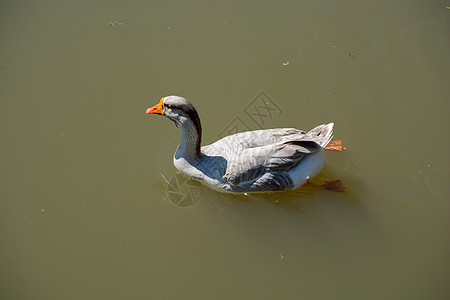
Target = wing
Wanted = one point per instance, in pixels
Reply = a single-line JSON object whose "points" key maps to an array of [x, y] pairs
{"points": [[250, 155], [253, 163], [234, 144]]}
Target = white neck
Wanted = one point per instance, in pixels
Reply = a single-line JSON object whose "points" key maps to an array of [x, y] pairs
{"points": [[189, 140]]}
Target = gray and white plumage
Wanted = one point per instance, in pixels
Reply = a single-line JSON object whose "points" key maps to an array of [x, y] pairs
{"points": [[252, 161]]}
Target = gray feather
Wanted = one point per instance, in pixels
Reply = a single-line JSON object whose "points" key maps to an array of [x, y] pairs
{"points": [[257, 160]]}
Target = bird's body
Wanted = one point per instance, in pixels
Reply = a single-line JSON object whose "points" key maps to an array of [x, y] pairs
{"points": [[252, 161]]}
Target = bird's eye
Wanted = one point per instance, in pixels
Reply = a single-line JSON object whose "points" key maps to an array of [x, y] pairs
{"points": [[169, 106]]}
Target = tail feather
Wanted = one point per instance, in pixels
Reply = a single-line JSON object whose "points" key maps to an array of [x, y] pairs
{"points": [[322, 134]]}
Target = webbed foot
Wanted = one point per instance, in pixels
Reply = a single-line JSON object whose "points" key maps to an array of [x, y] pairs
{"points": [[334, 185], [335, 146]]}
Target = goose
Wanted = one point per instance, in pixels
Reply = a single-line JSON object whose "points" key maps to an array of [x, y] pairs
{"points": [[266, 160]]}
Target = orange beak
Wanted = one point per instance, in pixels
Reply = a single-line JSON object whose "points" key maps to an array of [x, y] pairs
{"points": [[157, 109]]}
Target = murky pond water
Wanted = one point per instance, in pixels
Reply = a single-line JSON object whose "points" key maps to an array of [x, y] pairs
{"points": [[91, 204]]}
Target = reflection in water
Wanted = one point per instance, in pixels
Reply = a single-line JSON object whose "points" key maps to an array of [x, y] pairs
{"points": [[185, 192]]}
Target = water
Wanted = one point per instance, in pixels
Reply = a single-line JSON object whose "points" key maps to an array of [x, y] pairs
{"points": [[92, 207]]}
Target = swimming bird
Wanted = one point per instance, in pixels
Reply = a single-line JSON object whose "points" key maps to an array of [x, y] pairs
{"points": [[253, 161]]}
